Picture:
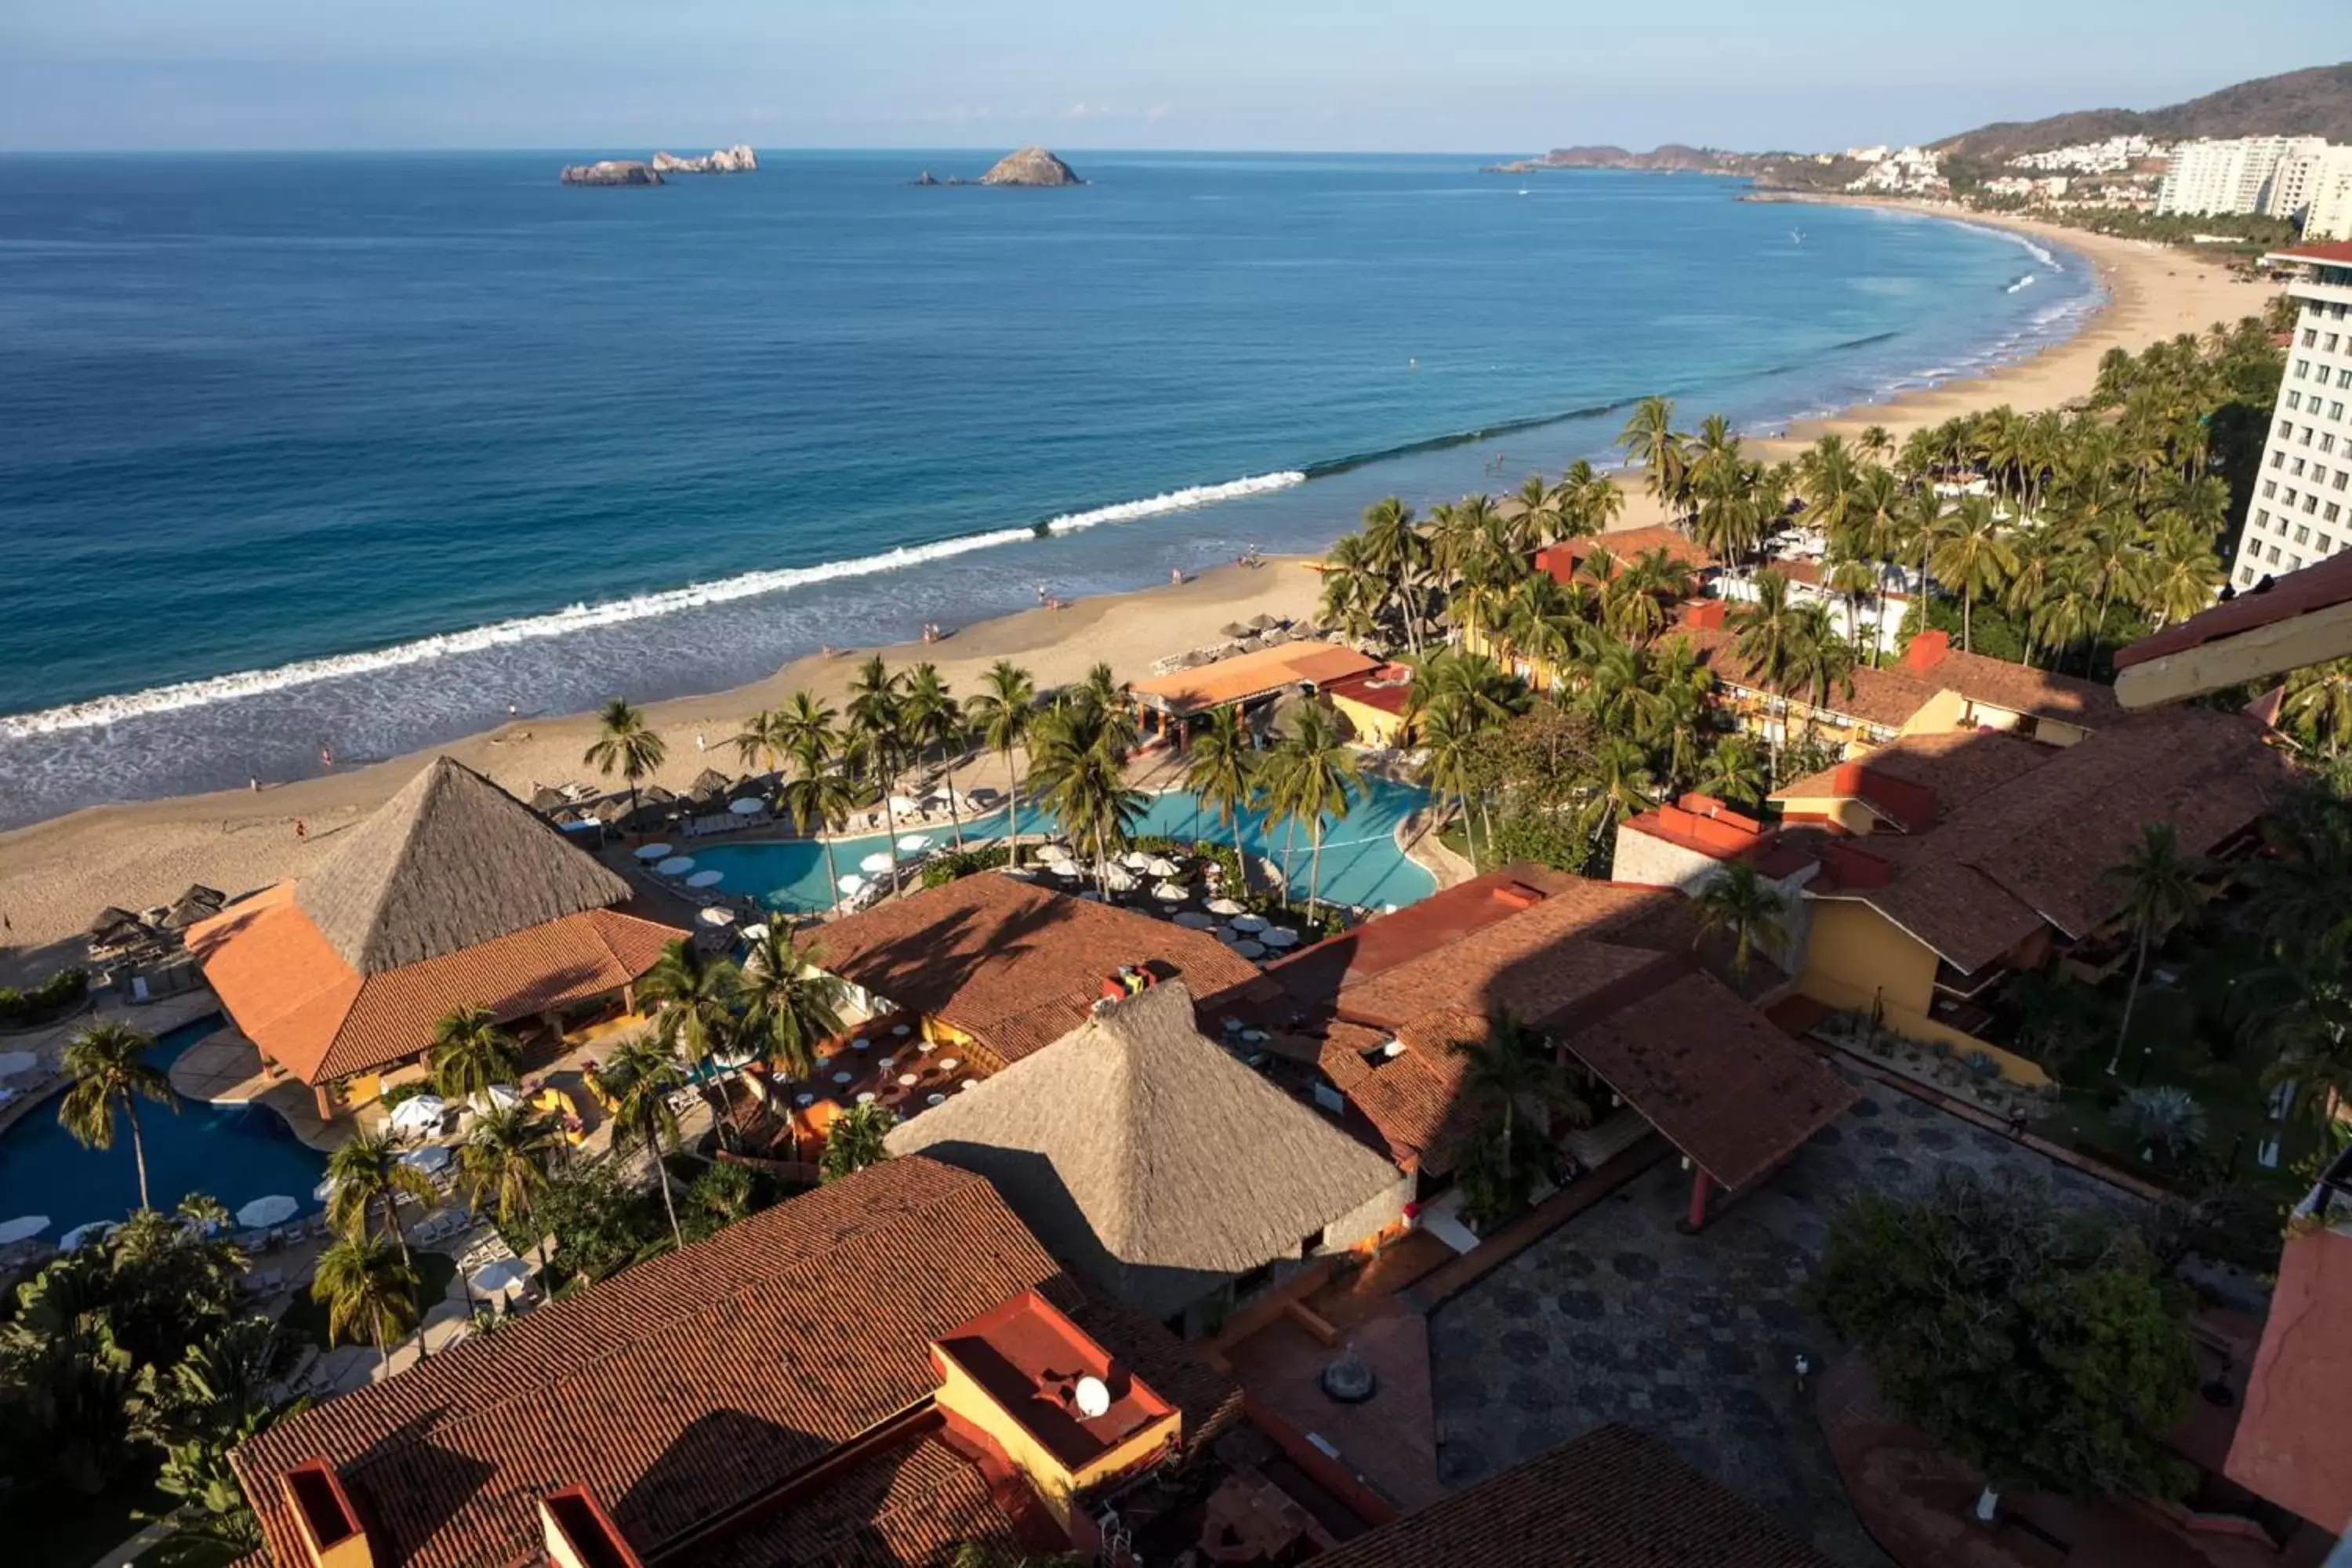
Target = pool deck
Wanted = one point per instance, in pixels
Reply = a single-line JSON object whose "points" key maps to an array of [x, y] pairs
{"points": [[157, 1017]]}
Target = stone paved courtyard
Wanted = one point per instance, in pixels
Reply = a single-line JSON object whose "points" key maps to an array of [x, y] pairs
{"points": [[1617, 1317]]}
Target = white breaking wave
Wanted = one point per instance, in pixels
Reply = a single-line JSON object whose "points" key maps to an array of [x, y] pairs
{"points": [[2043, 256], [2020, 283], [583, 618]]}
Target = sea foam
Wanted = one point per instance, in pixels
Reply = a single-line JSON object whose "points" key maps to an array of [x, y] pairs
{"points": [[102, 711]]}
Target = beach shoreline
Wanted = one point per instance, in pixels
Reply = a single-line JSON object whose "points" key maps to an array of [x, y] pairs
{"points": [[56, 873]]}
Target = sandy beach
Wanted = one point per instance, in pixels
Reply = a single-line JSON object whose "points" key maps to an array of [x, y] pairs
{"points": [[54, 876]]}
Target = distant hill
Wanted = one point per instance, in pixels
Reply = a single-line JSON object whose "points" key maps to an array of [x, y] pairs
{"points": [[2313, 102]]}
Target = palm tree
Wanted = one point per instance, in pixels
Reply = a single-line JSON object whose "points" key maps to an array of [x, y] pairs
{"points": [[696, 1001], [819, 796], [641, 1077], [1974, 559], [855, 1142], [1003, 709], [1450, 745], [2318, 704], [2160, 892], [370, 1293], [1738, 903], [1312, 775], [1733, 772], [1220, 769], [878, 732], [107, 1063], [764, 740], [506, 1158], [1650, 439], [1767, 636], [624, 745], [366, 1169], [790, 1004], [1080, 771], [470, 1053], [1508, 1067], [2164, 1120], [933, 721], [1398, 554], [1591, 500]]}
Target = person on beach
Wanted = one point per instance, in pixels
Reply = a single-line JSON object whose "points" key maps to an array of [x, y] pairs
{"points": [[300, 832], [325, 756], [1175, 576]]}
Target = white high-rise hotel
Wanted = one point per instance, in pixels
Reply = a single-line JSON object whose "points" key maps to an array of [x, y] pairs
{"points": [[2302, 508], [2208, 179]]}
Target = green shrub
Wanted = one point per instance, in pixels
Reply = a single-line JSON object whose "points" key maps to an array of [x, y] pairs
{"points": [[941, 869], [59, 994], [401, 1092]]}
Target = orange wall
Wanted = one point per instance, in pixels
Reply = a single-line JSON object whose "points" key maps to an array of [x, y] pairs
{"points": [[2291, 1445]]}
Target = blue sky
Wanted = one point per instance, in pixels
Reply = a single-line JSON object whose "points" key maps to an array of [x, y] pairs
{"points": [[1334, 75]]}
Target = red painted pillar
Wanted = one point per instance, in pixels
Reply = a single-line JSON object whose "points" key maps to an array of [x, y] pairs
{"points": [[1696, 1219]]}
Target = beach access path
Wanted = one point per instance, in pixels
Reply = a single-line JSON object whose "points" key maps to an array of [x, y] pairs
{"points": [[54, 876]]}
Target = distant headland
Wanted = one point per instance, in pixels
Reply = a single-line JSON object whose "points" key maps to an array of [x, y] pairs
{"points": [[736, 159], [1029, 166]]}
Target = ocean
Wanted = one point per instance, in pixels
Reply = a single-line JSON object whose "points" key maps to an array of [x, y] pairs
{"points": [[362, 451]]}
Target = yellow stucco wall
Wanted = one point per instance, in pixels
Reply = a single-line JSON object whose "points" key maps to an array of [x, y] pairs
{"points": [[1939, 715], [961, 1394], [1373, 726], [1846, 812], [1858, 958]]}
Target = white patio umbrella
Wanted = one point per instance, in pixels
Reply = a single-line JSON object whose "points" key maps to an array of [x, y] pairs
{"points": [[653, 851], [1136, 860], [1193, 919], [913, 843], [1278, 936], [418, 1113], [1249, 922], [717, 915], [900, 803], [1020, 873], [876, 863], [1223, 906], [14, 1062], [756, 932], [1118, 880], [706, 879], [1162, 867], [1172, 892], [676, 866], [263, 1213], [1248, 949], [852, 883], [82, 1236], [748, 805], [497, 1278], [432, 1157], [498, 1097], [1067, 870], [21, 1229]]}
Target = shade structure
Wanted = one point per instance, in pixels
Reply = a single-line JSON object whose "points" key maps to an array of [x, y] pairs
{"points": [[913, 843], [21, 1229], [1172, 892], [418, 1113], [1019, 873], [1249, 922], [432, 1157], [1162, 867], [1223, 906], [82, 1236], [1193, 919], [1118, 880], [676, 866], [706, 879], [263, 1213], [498, 1097], [653, 851], [717, 915], [500, 1279], [852, 883], [1066, 870], [14, 1062], [1248, 949], [1278, 936], [1234, 629], [756, 932], [1136, 860], [876, 863], [900, 803], [748, 805]]}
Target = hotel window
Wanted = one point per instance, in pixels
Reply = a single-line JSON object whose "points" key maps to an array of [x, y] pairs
{"points": [[2294, 562], [2336, 410], [2343, 378], [2339, 479], [2326, 545], [2286, 429], [2328, 443], [2294, 400], [2330, 514], [2277, 458], [2302, 369], [2270, 487], [2297, 469], [2271, 556], [2311, 503], [2245, 576], [2302, 536], [2330, 344], [2310, 336], [2306, 437]]}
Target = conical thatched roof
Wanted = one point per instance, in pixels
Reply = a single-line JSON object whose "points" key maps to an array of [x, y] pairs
{"points": [[548, 799], [199, 903], [451, 862], [1149, 1159], [111, 919], [710, 782]]}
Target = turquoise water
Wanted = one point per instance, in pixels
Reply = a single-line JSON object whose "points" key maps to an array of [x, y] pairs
{"points": [[1362, 863], [236, 1153], [366, 450]]}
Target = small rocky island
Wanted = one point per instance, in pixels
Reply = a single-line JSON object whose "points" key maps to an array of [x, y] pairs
{"points": [[1032, 166], [736, 159]]}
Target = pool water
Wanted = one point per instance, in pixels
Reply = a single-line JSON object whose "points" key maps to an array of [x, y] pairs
{"points": [[1361, 862], [235, 1153]]}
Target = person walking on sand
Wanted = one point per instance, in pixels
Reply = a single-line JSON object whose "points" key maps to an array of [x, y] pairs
{"points": [[300, 832]]}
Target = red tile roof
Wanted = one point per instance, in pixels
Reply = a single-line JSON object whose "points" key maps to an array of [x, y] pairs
{"points": [[2290, 1444], [1956, 767], [2013, 688], [692, 1383], [1013, 965], [1882, 696], [1624, 545], [2337, 251], [308, 1011], [1610, 1499], [2320, 586], [1717, 1078]]}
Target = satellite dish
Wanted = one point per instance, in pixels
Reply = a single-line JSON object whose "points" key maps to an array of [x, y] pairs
{"points": [[1094, 1398]]}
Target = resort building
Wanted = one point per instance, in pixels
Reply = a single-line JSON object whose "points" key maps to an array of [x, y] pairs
{"points": [[2302, 509], [880, 1371], [1377, 705], [1000, 968], [1975, 856], [1686, 844], [2213, 179], [1612, 1499], [1563, 560], [1158, 1167], [1603, 973], [452, 895], [1169, 704], [2302, 178], [1874, 617]]}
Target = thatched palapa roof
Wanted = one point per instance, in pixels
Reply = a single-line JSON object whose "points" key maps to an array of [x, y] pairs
{"points": [[1147, 1158], [451, 862]]}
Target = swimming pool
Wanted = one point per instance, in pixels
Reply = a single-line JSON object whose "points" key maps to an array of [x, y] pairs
{"points": [[235, 1153], [1361, 862]]}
